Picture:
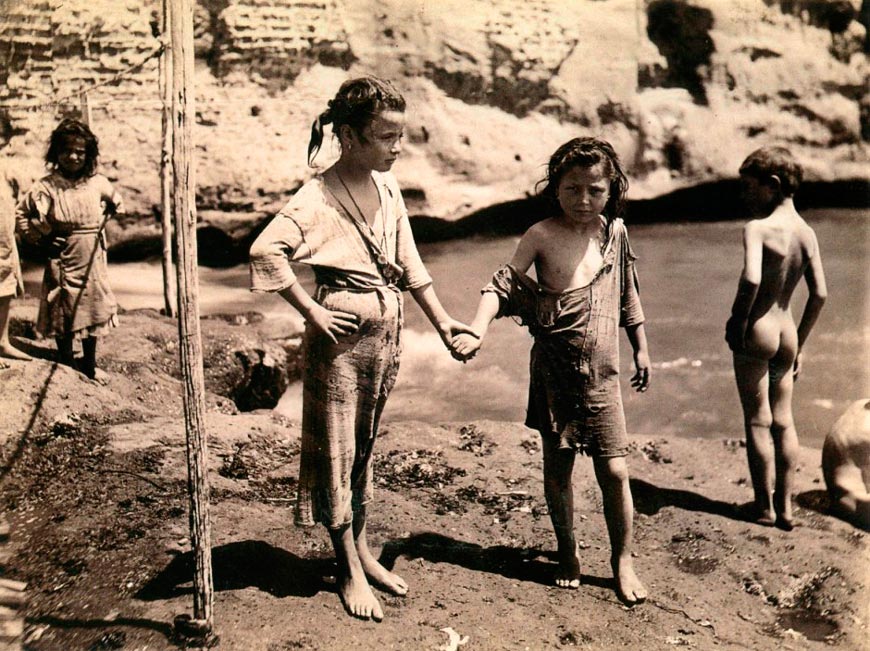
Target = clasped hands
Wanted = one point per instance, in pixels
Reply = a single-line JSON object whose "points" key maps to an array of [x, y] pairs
{"points": [[460, 339], [465, 345]]}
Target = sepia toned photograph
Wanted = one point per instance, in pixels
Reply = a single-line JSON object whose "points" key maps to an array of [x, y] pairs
{"points": [[434, 325]]}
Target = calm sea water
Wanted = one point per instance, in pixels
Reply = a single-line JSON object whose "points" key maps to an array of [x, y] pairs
{"points": [[688, 274]]}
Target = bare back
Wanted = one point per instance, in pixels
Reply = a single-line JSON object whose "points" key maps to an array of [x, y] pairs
{"points": [[779, 251], [787, 245]]}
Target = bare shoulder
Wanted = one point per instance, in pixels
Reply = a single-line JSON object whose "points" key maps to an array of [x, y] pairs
{"points": [[541, 231], [755, 230], [804, 230]]}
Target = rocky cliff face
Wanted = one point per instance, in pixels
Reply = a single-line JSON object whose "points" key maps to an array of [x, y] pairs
{"points": [[684, 90]]}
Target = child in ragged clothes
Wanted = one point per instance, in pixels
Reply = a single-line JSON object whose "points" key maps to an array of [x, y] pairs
{"points": [[351, 226], [66, 212], [11, 281], [780, 248], [586, 287]]}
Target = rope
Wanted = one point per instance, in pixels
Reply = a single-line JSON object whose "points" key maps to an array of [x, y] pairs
{"points": [[157, 51]]}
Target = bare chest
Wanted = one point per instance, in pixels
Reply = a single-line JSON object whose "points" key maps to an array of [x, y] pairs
{"points": [[362, 203], [565, 268]]}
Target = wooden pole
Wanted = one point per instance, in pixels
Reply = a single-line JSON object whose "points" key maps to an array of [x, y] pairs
{"points": [[165, 83], [184, 211], [85, 107]]}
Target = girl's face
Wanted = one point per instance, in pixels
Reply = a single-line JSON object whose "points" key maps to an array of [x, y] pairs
{"points": [[583, 192], [382, 144], [73, 156]]}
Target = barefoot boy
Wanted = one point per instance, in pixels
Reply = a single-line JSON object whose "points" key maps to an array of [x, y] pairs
{"points": [[586, 287], [779, 249]]}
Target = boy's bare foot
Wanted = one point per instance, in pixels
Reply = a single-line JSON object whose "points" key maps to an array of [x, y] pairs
{"points": [[568, 574], [784, 523], [629, 589], [784, 515], [381, 576], [358, 599], [751, 512], [11, 352]]}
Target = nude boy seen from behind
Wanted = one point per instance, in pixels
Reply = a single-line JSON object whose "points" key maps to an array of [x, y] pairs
{"points": [[780, 248]]}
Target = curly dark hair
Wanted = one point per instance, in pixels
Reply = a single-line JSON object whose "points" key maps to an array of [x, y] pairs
{"points": [[587, 152], [72, 128], [767, 162], [357, 102]]}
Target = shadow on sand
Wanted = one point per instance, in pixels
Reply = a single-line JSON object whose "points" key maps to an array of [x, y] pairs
{"points": [[244, 564], [510, 562], [820, 502], [649, 499], [164, 628]]}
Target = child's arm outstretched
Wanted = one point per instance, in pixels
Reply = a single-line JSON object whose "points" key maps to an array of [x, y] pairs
{"points": [[747, 288], [466, 346], [814, 275], [448, 328]]}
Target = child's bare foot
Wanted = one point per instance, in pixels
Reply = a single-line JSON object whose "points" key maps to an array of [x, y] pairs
{"points": [[358, 599], [751, 512], [784, 515], [629, 589], [784, 523], [100, 377], [568, 574], [11, 352], [381, 576]]}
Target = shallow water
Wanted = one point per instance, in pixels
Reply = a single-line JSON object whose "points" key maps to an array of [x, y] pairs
{"points": [[688, 273]]}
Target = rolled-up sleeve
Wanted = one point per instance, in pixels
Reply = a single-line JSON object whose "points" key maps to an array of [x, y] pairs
{"points": [[514, 298], [630, 309], [271, 253], [407, 256]]}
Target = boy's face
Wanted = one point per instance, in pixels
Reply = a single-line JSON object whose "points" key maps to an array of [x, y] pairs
{"points": [[759, 197], [583, 192]]}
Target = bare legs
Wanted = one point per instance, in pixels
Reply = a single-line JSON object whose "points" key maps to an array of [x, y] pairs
{"points": [[559, 492], [7, 350], [752, 384], [765, 388], [357, 566], [612, 476], [376, 572]]}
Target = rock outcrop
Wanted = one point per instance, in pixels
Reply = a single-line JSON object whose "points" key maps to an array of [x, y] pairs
{"points": [[684, 89]]}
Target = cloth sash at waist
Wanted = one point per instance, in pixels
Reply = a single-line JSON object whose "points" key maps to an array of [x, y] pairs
{"points": [[335, 280]]}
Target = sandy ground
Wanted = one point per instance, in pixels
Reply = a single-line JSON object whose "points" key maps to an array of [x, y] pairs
{"points": [[94, 486]]}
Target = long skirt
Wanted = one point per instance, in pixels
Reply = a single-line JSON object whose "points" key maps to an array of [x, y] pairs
{"points": [[76, 297], [345, 389]]}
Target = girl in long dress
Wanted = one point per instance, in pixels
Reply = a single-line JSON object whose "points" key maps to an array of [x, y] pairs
{"points": [[351, 226], [67, 211]]}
